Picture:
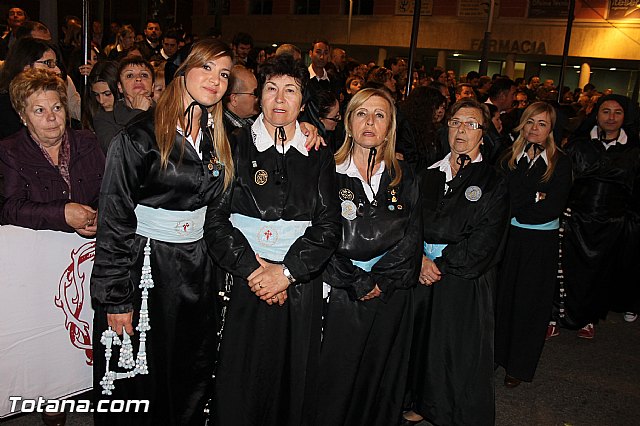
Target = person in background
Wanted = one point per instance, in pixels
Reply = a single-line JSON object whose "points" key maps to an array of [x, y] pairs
{"points": [[242, 44], [241, 100], [598, 242], [539, 179], [135, 95], [125, 40], [323, 112], [289, 49], [425, 148], [464, 91], [384, 77], [103, 83], [35, 29], [15, 17], [465, 212], [38, 30], [27, 53], [150, 46], [52, 174], [353, 84], [169, 45], [159, 82], [319, 55]]}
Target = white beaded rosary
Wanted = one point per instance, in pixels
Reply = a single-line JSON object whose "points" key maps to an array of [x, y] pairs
{"points": [[110, 338]]}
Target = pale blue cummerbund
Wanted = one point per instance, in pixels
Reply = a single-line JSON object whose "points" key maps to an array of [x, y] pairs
{"points": [[170, 226], [367, 265], [433, 250], [549, 226], [270, 239]]}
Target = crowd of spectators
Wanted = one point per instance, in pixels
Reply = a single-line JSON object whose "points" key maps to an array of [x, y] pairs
{"points": [[568, 161]]}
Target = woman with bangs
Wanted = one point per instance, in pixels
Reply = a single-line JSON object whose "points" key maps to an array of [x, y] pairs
{"points": [[164, 170], [368, 321], [539, 179]]}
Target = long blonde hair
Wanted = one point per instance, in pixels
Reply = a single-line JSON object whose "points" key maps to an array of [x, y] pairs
{"points": [[387, 151], [551, 148], [170, 108]]}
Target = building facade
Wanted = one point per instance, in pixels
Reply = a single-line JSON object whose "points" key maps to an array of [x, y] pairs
{"points": [[527, 36]]}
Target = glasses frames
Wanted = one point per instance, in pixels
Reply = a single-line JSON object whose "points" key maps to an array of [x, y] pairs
{"points": [[50, 63], [336, 119], [469, 125], [254, 93]]}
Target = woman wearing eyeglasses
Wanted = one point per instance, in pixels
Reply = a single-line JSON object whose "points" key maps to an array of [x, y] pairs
{"points": [[323, 111], [465, 212], [26, 53]]}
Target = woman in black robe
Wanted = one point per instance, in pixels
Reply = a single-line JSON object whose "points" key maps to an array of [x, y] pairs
{"points": [[465, 212], [286, 225], [598, 238], [368, 323], [157, 186], [539, 178]]}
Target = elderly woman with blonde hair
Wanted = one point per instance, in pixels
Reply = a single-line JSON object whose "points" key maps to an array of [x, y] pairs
{"points": [[52, 174], [368, 322]]}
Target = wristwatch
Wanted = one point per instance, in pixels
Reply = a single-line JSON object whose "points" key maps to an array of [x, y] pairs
{"points": [[287, 274]]}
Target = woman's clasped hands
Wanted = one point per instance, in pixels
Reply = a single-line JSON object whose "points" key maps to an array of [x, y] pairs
{"points": [[268, 282]]}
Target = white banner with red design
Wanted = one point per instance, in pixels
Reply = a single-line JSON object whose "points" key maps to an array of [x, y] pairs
{"points": [[45, 314]]}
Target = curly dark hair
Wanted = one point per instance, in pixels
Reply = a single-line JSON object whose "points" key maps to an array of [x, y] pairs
{"points": [[283, 65], [418, 109]]}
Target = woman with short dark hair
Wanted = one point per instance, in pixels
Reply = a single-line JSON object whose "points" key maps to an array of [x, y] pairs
{"points": [[135, 95], [286, 219]]}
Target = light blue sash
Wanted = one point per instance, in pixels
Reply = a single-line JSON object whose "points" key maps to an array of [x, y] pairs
{"points": [[170, 226], [272, 239], [367, 265], [433, 250], [549, 226]]}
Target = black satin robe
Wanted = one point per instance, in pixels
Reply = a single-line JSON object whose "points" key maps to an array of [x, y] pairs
{"points": [[527, 278], [451, 367], [366, 344], [598, 232], [182, 305], [269, 353]]}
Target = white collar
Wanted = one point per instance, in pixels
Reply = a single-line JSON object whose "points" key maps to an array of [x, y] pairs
{"points": [[195, 145], [622, 138], [445, 166], [350, 169], [312, 73], [542, 155], [263, 140]]}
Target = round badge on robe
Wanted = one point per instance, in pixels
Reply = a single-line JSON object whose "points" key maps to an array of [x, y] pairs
{"points": [[473, 193], [346, 194], [261, 177], [348, 209]]}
